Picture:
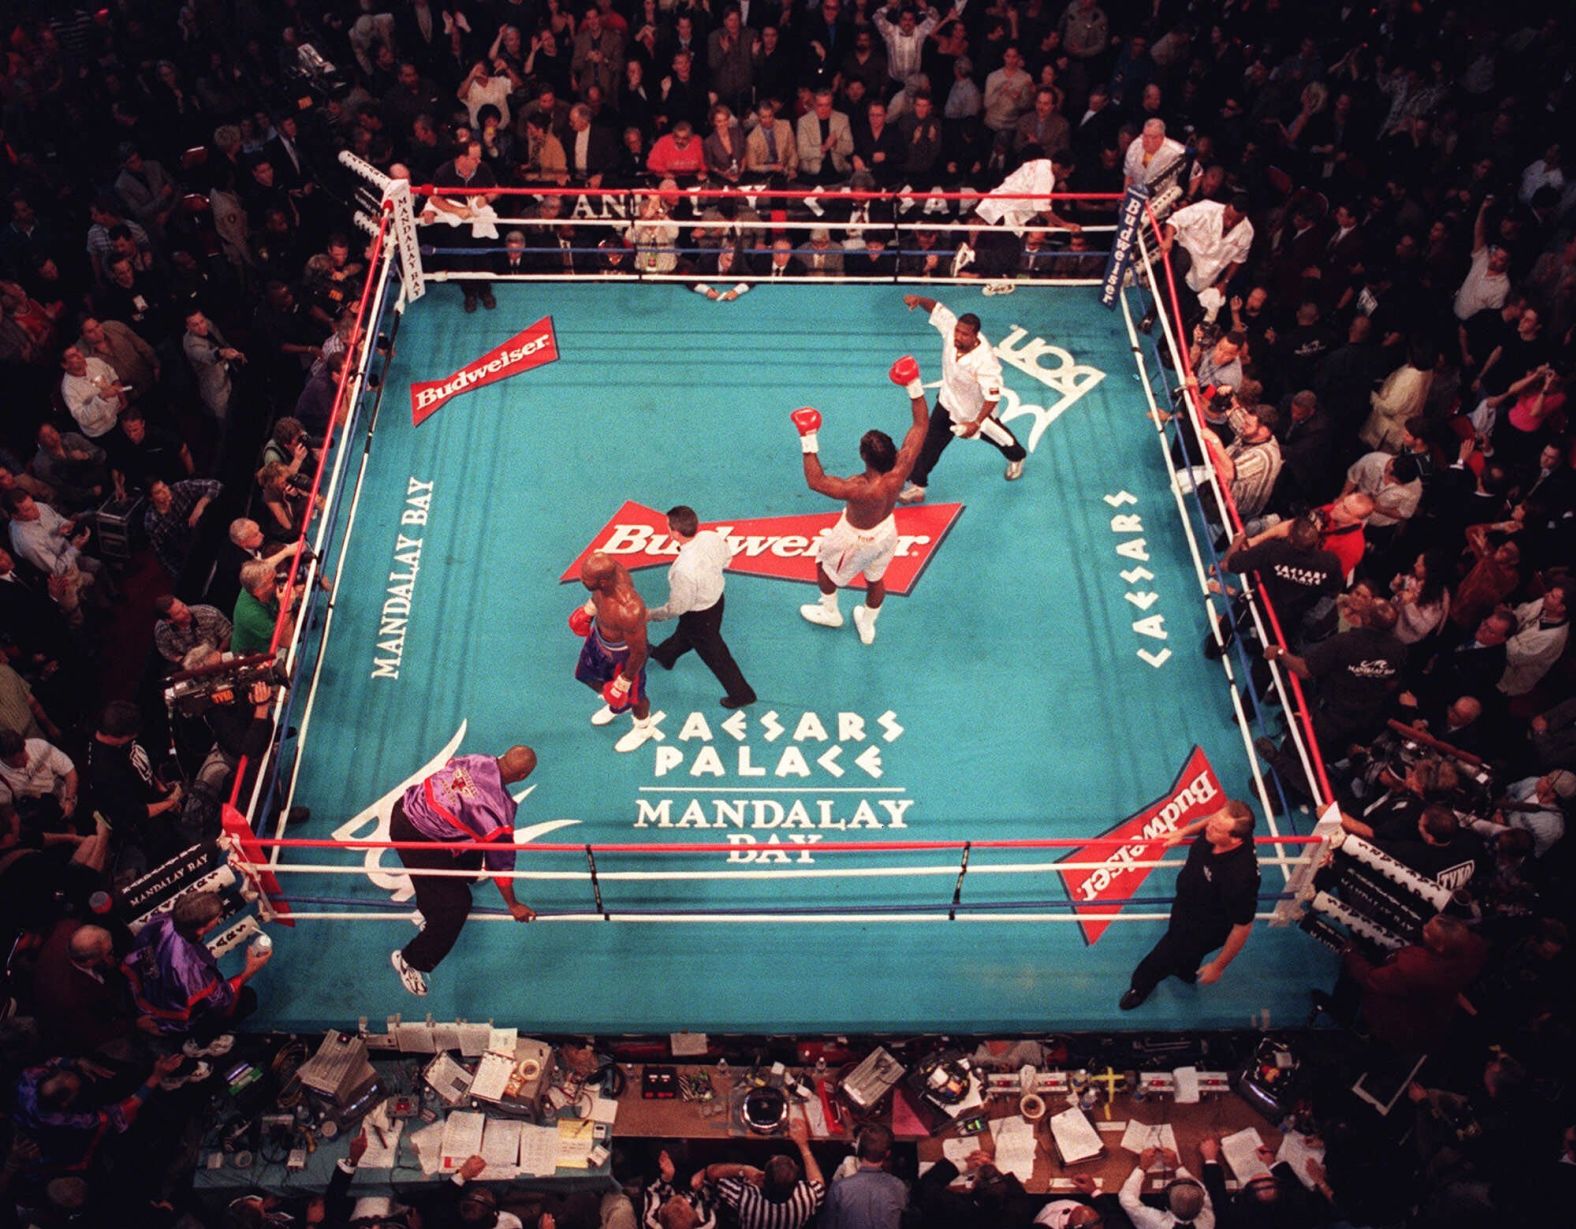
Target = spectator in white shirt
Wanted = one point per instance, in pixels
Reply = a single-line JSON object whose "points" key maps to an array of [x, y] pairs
{"points": [[92, 393], [54, 545], [905, 38], [1538, 810], [37, 778], [1487, 282], [479, 89], [1531, 653], [695, 598], [1546, 172], [1152, 155], [1187, 1202], [1214, 238]]}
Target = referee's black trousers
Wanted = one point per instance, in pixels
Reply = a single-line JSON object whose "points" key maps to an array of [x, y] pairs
{"points": [[444, 900], [1179, 953], [701, 630], [939, 434]]}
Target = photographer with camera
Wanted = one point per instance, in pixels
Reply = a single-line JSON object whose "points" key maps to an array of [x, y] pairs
{"points": [[215, 720]]}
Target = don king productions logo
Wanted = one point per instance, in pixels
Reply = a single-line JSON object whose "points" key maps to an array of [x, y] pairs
{"points": [[779, 547]]}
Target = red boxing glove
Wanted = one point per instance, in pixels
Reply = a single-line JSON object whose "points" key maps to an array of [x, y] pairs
{"points": [[807, 421], [616, 693], [580, 621], [905, 374]]}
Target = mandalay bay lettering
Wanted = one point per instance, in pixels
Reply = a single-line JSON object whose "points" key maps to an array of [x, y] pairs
{"points": [[394, 616]]}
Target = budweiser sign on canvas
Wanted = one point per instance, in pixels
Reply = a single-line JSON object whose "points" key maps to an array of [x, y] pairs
{"points": [[535, 347], [782, 547]]}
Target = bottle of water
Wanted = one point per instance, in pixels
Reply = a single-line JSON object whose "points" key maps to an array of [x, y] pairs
{"points": [[722, 1067], [820, 1067]]}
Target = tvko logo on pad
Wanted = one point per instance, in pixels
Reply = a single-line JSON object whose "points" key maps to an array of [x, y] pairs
{"points": [[781, 547]]}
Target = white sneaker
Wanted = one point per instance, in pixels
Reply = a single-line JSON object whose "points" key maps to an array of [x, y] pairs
{"points": [[1014, 471], [865, 623], [821, 616], [217, 1048], [602, 716], [637, 737], [413, 980], [179, 1079], [910, 494]]}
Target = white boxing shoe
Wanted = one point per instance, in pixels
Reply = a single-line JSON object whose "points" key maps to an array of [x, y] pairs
{"points": [[865, 624], [603, 716], [637, 737], [821, 616], [413, 980], [910, 494], [1014, 471]]}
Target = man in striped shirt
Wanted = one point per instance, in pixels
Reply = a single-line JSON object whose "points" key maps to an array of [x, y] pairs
{"points": [[777, 1198]]}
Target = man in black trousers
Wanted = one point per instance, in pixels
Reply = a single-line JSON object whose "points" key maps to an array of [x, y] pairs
{"points": [[1216, 896], [695, 597]]}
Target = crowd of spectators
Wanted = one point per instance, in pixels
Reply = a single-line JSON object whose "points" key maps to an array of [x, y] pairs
{"points": [[1378, 285]]}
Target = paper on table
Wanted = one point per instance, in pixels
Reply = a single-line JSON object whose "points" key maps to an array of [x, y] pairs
{"points": [[538, 1151], [1141, 1135], [502, 1041], [427, 1144], [689, 1045], [604, 1109], [382, 1140], [1187, 1085], [446, 1036], [1297, 1150], [1241, 1152], [816, 1117], [473, 1039], [415, 1038], [1014, 1146], [575, 1138], [959, 1150], [448, 1079], [501, 1148], [492, 1077], [1075, 1136], [462, 1138]]}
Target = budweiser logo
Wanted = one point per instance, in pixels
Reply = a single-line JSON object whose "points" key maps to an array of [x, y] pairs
{"points": [[1194, 794], [535, 347], [781, 547]]}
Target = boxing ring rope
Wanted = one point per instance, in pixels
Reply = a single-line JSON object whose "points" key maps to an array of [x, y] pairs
{"points": [[626, 216], [395, 252], [1300, 725]]}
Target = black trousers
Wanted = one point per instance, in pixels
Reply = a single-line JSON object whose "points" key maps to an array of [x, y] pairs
{"points": [[701, 630], [1178, 954], [444, 900], [939, 435]]}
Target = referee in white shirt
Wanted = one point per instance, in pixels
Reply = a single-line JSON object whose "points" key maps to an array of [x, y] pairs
{"points": [[966, 404], [695, 597]]}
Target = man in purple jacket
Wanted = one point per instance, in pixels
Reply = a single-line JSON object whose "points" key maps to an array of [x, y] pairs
{"points": [[467, 800]]}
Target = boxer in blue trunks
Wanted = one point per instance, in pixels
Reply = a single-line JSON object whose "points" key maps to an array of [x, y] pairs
{"points": [[613, 658]]}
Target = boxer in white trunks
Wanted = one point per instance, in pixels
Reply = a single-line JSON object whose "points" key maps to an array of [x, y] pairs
{"points": [[865, 536]]}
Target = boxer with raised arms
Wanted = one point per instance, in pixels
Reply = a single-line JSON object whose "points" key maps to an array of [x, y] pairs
{"points": [[865, 536], [613, 658]]}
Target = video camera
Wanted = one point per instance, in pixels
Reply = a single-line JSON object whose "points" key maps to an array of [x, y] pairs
{"points": [[319, 75], [191, 693]]}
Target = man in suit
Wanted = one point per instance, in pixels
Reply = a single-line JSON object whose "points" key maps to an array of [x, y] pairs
{"points": [[821, 257], [592, 151], [826, 142], [781, 262], [771, 149]]}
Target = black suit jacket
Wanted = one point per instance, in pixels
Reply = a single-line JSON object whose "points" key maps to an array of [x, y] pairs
{"points": [[601, 152]]}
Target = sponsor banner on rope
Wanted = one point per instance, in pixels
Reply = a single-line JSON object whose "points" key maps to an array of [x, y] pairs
{"points": [[534, 347], [780, 547], [1124, 244], [1195, 793]]}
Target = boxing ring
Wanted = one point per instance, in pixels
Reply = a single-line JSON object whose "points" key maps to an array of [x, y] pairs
{"points": [[926, 834]]}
